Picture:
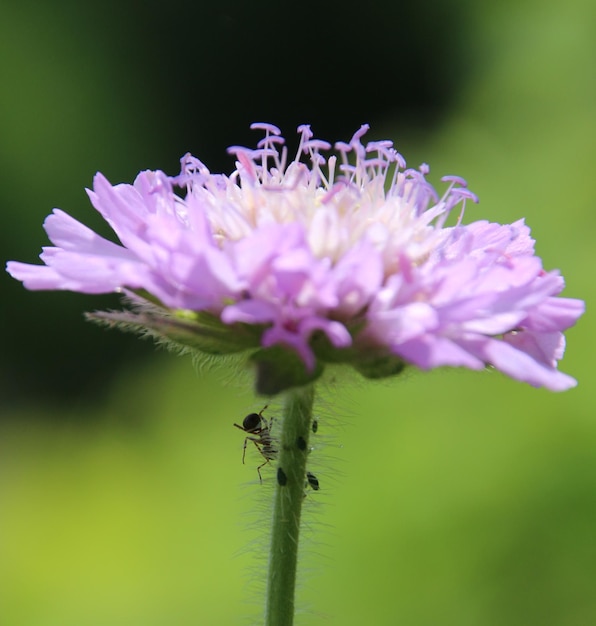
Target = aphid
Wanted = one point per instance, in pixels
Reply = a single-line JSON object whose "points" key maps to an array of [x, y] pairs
{"points": [[312, 480], [301, 443], [259, 432], [315, 425], [282, 479]]}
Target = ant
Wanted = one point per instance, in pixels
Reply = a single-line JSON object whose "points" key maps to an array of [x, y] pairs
{"points": [[255, 424], [312, 480]]}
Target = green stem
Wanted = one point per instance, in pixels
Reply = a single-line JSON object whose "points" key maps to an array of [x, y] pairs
{"points": [[289, 495]]}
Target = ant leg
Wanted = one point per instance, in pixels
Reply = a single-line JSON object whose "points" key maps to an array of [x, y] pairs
{"points": [[257, 445], [246, 439], [259, 470], [244, 449]]}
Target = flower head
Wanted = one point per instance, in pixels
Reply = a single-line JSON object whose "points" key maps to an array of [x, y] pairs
{"points": [[338, 258]]}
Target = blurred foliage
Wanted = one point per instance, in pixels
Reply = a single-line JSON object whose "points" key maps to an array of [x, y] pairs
{"points": [[450, 498]]}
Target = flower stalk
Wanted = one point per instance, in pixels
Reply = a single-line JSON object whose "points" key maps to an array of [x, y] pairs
{"points": [[287, 506]]}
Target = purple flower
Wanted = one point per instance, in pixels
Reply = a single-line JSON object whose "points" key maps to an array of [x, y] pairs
{"points": [[345, 258]]}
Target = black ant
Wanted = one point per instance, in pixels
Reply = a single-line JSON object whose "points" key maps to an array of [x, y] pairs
{"points": [[312, 480], [255, 424]]}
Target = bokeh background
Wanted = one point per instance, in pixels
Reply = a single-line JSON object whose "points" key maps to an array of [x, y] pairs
{"points": [[450, 498]]}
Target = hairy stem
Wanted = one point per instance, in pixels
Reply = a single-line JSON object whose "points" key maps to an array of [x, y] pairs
{"points": [[289, 495]]}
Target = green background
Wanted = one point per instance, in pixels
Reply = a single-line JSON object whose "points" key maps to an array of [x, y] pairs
{"points": [[452, 498]]}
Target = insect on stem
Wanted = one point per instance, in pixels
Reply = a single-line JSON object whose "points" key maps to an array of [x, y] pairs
{"points": [[259, 432]]}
